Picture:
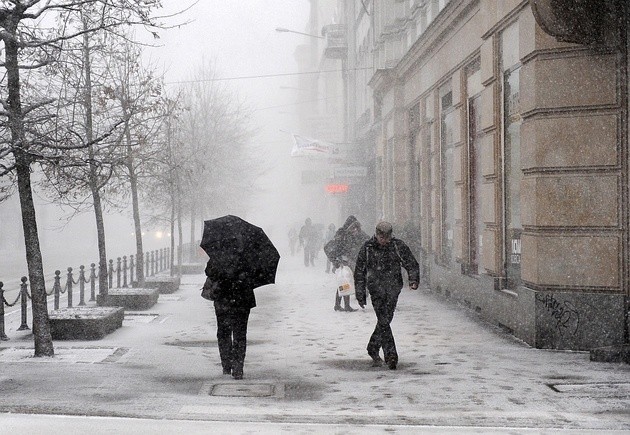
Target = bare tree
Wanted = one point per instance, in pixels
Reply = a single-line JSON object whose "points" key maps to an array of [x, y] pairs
{"points": [[215, 129], [29, 131], [166, 173], [137, 91], [79, 180]]}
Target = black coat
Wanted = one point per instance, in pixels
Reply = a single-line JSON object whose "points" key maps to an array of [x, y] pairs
{"points": [[345, 246], [233, 294], [378, 268]]}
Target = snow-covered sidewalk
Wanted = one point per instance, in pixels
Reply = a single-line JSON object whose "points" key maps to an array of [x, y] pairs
{"points": [[307, 363]]}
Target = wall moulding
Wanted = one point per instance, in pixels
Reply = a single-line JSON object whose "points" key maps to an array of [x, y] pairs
{"points": [[580, 21]]}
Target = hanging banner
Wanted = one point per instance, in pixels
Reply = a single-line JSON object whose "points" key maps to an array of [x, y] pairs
{"points": [[308, 147]]}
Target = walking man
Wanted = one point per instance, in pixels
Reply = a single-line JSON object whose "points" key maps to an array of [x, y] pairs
{"points": [[308, 239], [378, 271]]}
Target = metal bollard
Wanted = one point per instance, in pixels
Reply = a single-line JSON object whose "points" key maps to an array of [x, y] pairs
{"points": [[146, 264], [110, 273], [57, 288], [81, 285], [169, 262], [69, 282], [118, 272], [132, 266], [92, 282], [24, 302], [3, 336], [125, 271]]}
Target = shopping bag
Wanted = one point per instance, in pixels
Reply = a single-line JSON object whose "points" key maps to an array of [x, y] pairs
{"points": [[345, 281]]}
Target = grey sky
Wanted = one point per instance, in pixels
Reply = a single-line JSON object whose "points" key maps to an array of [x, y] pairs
{"points": [[239, 37]]}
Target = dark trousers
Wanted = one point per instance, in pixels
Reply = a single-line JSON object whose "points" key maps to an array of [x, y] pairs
{"points": [[232, 338], [384, 306], [309, 256]]}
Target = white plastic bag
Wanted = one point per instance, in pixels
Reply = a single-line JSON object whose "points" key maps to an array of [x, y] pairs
{"points": [[345, 281]]}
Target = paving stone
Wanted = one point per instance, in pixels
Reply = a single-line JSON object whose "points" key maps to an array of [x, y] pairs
{"points": [[243, 390]]}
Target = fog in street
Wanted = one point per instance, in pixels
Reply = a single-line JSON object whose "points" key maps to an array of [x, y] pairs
{"points": [[226, 210], [252, 60]]}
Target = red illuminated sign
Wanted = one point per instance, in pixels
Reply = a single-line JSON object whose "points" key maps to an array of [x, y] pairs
{"points": [[336, 188]]}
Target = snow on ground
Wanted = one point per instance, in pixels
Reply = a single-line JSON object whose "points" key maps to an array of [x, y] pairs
{"points": [[307, 363]]}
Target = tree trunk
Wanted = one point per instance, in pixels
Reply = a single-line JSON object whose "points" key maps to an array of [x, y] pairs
{"points": [[171, 185], [180, 229], [172, 222], [41, 328], [93, 179], [133, 182], [100, 234], [193, 219]]}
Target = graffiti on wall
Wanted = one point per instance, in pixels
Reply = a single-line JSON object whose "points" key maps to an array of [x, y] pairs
{"points": [[565, 315]]}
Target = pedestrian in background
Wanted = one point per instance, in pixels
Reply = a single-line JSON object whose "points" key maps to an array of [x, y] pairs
{"points": [[308, 240], [378, 272], [293, 239], [343, 250]]}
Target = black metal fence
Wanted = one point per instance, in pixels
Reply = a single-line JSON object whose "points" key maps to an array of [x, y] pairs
{"points": [[121, 274]]}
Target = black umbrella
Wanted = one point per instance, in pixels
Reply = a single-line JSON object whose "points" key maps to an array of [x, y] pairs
{"points": [[236, 247]]}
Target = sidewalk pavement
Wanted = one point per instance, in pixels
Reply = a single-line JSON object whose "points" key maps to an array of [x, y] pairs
{"points": [[307, 370]]}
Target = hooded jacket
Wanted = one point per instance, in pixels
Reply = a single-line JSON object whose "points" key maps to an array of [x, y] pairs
{"points": [[345, 245], [378, 268]]}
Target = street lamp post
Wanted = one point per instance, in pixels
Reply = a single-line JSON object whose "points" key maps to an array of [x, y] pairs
{"points": [[283, 30]]}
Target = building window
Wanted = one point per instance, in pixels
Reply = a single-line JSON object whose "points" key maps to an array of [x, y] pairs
{"points": [[379, 184], [389, 177], [512, 172], [414, 162], [427, 180], [475, 178], [447, 126]]}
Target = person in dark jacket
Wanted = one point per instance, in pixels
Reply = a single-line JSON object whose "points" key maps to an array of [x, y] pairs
{"points": [[308, 239], [378, 271], [233, 299], [343, 250]]}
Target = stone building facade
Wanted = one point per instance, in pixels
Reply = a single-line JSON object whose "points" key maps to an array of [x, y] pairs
{"points": [[508, 147]]}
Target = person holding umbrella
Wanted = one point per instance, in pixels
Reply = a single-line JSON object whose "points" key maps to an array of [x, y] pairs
{"points": [[241, 258]]}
